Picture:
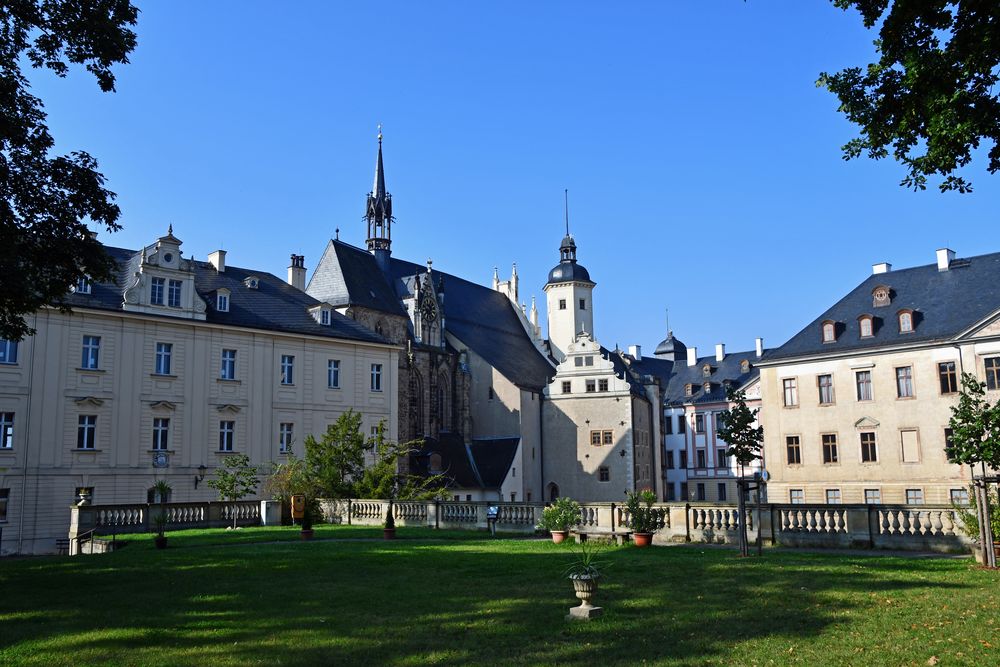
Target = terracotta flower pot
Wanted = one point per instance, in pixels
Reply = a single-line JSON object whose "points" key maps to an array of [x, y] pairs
{"points": [[642, 539], [388, 533], [558, 535], [306, 534]]}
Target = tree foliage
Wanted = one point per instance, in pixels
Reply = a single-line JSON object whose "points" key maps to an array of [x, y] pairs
{"points": [[236, 479], [975, 427], [385, 478], [337, 460], [739, 429], [931, 98], [45, 199]]}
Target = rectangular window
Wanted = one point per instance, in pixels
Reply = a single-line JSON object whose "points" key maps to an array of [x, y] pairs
{"points": [[583, 304], [684, 490], [6, 430], [227, 431], [604, 474], [591, 386], [830, 454], [609, 438], [602, 385], [174, 293], [794, 450], [4, 499], [156, 289], [869, 451], [992, 372], [376, 377], [595, 438], [721, 458], [948, 377], [699, 490], [668, 426], [227, 370], [285, 433], [949, 434], [86, 432], [163, 353], [562, 304], [873, 496], [287, 369], [825, 383], [91, 352], [681, 424], [567, 387], [670, 459], [671, 492], [790, 392], [161, 434], [910, 446], [864, 381], [222, 303], [588, 361], [699, 423], [333, 373], [700, 458], [914, 496], [796, 496], [904, 382], [578, 362], [833, 496], [722, 492], [324, 317], [8, 351], [684, 463], [960, 497], [83, 285]]}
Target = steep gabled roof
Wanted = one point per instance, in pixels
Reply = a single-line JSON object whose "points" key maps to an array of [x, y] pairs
{"points": [[945, 303], [349, 276], [729, 369]]}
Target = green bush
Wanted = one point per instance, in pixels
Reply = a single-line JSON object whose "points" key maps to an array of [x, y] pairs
{"points": [[970, 515], [642, 517], [560, 515]]}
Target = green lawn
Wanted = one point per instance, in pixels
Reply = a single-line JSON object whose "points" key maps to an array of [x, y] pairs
{"points": [[216, 597]]}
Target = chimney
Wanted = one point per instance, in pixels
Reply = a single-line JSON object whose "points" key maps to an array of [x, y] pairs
{"points": [[760, 347], [635, 351], [297, 272], [945, 258], [881, 267], [218, 260], [720, 351], [692, 356]]}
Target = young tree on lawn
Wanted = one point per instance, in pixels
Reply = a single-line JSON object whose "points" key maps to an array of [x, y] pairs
{"points": [[337, 460], [236, 479], [384, 479], [744, 439]]}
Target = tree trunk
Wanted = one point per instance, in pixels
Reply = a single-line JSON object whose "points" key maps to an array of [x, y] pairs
{"points": [[741, 513]]}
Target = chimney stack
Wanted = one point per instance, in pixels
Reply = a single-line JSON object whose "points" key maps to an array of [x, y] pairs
{"points": [[692, 356], [720, 351], [760, 347], [218, 260], [635, 351], [297, 272], [944, 258], [881, 267]]}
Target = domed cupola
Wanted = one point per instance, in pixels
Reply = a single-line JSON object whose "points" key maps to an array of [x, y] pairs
{"points": [[568, 270], [670, 348]]}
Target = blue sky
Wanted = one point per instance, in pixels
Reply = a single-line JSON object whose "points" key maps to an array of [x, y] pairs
{"points": [[703, 164]]}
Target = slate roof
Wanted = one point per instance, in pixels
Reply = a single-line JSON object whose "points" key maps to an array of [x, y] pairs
{"points": [[727, 369], [482, 464], [349, 276], [945, 303], [274, 306]]}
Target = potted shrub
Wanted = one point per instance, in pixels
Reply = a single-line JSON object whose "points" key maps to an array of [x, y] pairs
{"points": [[558, 517], [306, 533], [389, 529], [643, 518], [585, 573], [162, 489]]}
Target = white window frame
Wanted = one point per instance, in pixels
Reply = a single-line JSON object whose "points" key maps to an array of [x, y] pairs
{"points": [[288, 369], [376, 377], [8, 351], [164, 352], [222, 302], [174, 293], [83, 285], [6, 430], [157, 291], [161, 434], [86, 432], [227, 435], [227, 364], [91, 349], [333, 373], [324, 317], [286, 435]]}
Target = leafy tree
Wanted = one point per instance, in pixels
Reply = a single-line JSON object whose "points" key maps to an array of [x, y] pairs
{"points": [[384, 479], [975, 427], [931, 98], [236, 479], [45, 246], [337, 460], [744, 439]]}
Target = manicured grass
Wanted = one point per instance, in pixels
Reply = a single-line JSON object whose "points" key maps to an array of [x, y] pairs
{"points": [[469, 600]]}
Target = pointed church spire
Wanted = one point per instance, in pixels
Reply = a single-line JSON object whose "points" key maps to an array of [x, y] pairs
{"points": [[378, 213]]}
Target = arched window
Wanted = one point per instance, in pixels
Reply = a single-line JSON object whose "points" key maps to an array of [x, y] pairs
{"points": [[416, 404], [905, 321], [434, 464], [553, 492], [443, 403], [829, 331], [865, 326], [378, 327]]}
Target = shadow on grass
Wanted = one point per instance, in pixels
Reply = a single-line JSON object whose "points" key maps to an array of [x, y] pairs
{"points": [[453, 603]]}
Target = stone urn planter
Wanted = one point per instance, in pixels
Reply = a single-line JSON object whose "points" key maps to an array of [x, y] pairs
{"points": [[642, 539], [559, 535], [585, 587]]}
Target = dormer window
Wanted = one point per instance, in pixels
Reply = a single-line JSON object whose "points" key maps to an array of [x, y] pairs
{"points": [[829, 331], [745, 366], [83, 285], [865, 326], [688, 389], [222, 301], [434, 463], [252, 282], [881, 296], [324, 317], [707, 387], [706, 370], [321, 313], [905, 321]]}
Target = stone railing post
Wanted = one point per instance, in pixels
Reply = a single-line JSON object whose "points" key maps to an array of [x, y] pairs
{"points": [[270, 512], [481, 523], [859, 529], [606, 516], [213, 515], [432, 513], [765, 524]]}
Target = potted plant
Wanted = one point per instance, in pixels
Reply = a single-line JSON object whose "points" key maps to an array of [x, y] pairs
{"points": [[389, 529], [306, 533], [643, 519], [558, 517], [161, 489], [585, 573]]}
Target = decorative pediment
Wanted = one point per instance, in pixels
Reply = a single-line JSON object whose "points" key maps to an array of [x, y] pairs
{"points": [[228, 408], [866, 423], [163, 405], [89, 401]]}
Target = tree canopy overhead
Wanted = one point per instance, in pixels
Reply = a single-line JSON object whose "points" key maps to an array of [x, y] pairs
{"points": [[931, 99], [45, 199]]}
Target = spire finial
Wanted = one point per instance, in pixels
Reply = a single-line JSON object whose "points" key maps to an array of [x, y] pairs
{"points": [[566, 208], [380, 132], [667, 311], [337, 231], [170, 229]]}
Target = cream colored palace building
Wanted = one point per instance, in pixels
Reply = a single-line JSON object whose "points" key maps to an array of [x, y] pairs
{"points": [[855, 407], [165, 373]]}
